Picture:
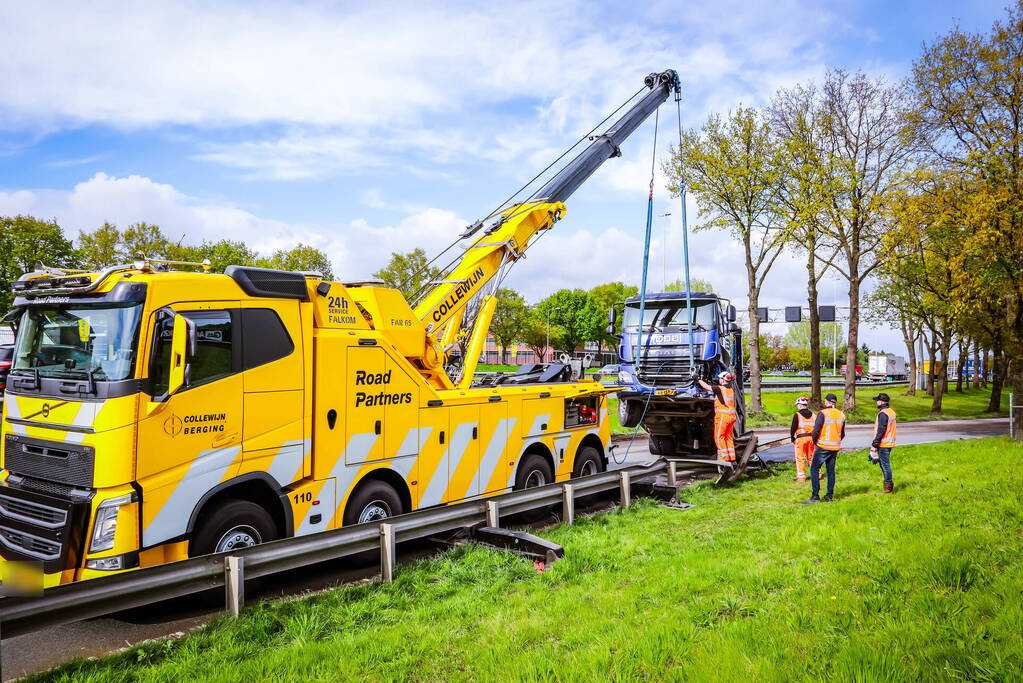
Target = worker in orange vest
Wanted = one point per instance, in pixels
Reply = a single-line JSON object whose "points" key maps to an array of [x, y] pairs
{"points": [[800, 432], [827, 435], [884, 439], [724, 415]]}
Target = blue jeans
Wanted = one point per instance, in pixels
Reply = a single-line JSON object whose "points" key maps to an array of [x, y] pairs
{"points": [[822, 457], [884, 456]]}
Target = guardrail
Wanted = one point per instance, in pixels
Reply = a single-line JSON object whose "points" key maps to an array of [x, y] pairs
{"points": [[99, 597]]}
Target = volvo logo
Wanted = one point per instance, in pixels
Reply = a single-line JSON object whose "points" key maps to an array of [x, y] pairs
{"points": [[46, 410], [172, 426]]}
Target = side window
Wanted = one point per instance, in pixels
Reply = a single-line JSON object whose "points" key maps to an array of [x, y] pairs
{"points": [[264, 337], [216, 354]]}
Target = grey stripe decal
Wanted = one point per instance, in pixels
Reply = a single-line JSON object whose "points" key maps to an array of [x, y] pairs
{"points": [[14, 411], [205, 472], [492, 457], [287, 464], [442, 477], [340, 477]]}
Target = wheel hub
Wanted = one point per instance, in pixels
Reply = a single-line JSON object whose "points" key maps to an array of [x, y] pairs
{"points": [[375, 511], [241, 536]]}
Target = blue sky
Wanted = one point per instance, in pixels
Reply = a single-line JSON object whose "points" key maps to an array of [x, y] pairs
{"points": [[367, 129]]}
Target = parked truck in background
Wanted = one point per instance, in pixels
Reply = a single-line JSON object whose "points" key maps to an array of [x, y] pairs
{"points": [[156, 414], [659, 389], [888, 367]]}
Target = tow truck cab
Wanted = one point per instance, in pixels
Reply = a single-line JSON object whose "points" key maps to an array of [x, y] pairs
{"points": [[659, 389]]}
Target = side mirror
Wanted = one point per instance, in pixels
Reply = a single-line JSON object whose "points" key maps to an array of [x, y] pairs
{"points": [[733, 328], [183, 347], [731, 313], [612, 315]]}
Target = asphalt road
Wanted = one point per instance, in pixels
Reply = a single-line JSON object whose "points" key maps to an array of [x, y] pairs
{"points": [[42, 650]]}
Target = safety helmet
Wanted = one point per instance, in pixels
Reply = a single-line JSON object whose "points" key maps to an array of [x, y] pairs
{"points": [[726, 376], [802, 401]]}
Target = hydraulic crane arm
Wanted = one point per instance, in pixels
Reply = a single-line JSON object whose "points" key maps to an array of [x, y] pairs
{"points": [[504, 240]]}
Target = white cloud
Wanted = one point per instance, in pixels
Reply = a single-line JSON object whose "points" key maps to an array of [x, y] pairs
{"points": [[311, 90]]}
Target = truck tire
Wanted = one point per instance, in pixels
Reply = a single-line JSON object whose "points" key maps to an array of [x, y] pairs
{"points": [[630, 412], [372, 501], [231, 525], [587, 462], [534, 470]]}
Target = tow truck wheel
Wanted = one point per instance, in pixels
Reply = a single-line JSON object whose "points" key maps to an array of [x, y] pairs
{"points": [[587, 462], [630, 412], [232, 525], [374, 501], [534, 470]]}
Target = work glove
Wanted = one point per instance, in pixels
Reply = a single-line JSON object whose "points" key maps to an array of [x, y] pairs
{"points": [[873, 458]]}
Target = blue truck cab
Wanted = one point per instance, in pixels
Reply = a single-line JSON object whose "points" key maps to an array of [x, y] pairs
{"points": [[659, 387]]}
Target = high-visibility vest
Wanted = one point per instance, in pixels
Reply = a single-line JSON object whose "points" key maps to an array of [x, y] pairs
{"points": [[728, 406], [804, 426], [888, 438], [831, 433]]}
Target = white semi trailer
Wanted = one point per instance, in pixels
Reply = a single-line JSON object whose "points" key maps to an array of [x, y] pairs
{"points": [[886, 367]]}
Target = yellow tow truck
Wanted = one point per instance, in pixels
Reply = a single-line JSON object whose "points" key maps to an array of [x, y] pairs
{"points": [[155, 414]]}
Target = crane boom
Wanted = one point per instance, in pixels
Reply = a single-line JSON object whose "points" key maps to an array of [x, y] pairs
{"points": [[505, 239]]}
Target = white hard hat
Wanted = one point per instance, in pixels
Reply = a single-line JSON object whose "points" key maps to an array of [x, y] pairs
{"points": [[726, 376], [802, 401]]}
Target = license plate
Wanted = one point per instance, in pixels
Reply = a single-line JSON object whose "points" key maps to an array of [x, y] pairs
{"points": [[665, 392], [667, 338]]}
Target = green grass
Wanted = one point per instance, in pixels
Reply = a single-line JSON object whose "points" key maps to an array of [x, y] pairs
{"points": [[778, 405], [747, 585]]}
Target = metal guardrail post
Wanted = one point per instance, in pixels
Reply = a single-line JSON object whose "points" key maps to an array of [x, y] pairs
{"points": [[387, 552], [625, 486], [568, 503], [672, 473], [493, 513], [234, 584]]}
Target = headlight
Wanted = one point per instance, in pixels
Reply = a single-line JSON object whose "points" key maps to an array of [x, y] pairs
{"points": [[106, 522], [625, 377]]}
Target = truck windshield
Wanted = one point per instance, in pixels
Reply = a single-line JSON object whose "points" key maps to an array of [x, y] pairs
{"points": [[660, 315], [96, 341]]}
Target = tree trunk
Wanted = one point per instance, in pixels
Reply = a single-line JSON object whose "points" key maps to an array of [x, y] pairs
{"points": [[962, 366], [985, 366], [941, 383], [910, 339], [994, 404], [849, 399], [755, 405], [976, 366], [932, 353], [1016, 414], [815, 331]]}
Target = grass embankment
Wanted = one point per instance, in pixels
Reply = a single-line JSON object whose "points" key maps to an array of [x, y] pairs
{"points": [[778, 405], [748, 585]]}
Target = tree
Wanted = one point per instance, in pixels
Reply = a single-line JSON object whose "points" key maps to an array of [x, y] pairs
{"points": [[604, 298], [798, 124], [865, 145], [731, 168], [576, 317], [220, 254], [534, 334], [510, 319], [969, 96], [24, 241], [301, 258], [409, 273], [100, 248], [696, 284]]}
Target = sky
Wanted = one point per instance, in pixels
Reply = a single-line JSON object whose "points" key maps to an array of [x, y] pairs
{"points": [[369, 128]]}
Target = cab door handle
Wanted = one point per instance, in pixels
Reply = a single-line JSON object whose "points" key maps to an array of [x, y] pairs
{"points": [[376, 427], [225, 439]]}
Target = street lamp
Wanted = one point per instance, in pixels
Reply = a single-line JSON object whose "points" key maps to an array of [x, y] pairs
{"points": [[549, 311]]}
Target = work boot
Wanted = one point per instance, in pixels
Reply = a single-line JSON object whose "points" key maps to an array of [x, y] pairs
{"points": [[827, 499], [811, 499], [889, 487]]}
